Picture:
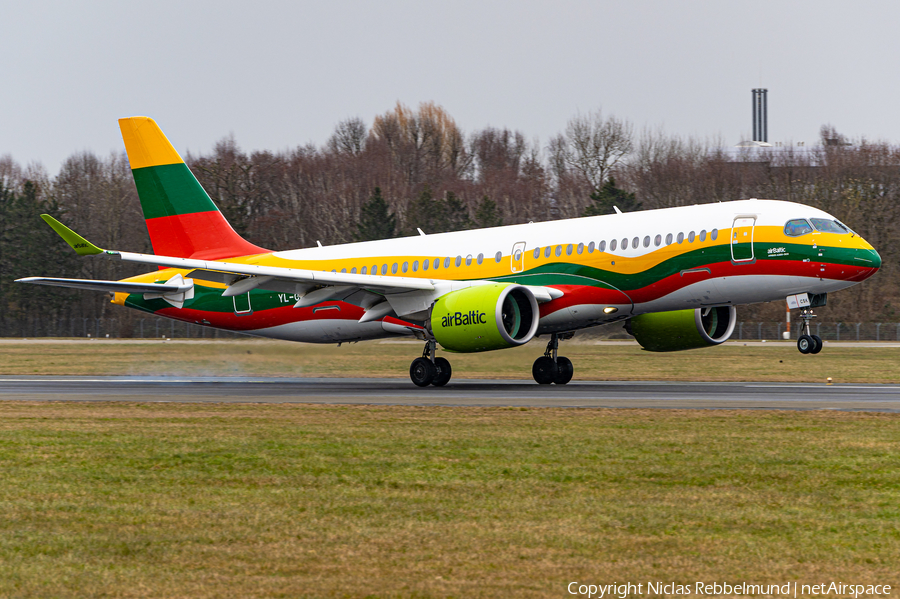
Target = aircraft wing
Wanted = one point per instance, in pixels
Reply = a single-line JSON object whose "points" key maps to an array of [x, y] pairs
{"points": [[405, 295]]}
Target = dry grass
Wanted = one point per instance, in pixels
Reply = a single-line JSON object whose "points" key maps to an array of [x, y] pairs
{"points": [[605, 361], [165, 500]]}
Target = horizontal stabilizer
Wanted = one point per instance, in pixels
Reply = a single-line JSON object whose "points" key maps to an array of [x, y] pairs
{"points": [[108, 286]]}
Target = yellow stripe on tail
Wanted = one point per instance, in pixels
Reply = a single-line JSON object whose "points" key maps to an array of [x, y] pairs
{"points": [[146, 144]]}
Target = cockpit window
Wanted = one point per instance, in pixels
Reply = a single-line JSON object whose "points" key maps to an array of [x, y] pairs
{"points": [[797, 227], [826, 225]]}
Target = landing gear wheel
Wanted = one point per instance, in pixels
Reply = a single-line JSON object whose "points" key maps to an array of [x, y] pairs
{"points": [[818, 346], [805, 344], [564, 370], [422, 372], [444, 372], [544, 370]]}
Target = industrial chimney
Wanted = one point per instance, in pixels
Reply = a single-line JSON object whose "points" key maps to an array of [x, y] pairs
{"points": [[760, 115]]}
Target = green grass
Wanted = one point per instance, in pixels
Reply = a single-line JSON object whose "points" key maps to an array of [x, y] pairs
{"points": [[603, 361], [168, 500]]}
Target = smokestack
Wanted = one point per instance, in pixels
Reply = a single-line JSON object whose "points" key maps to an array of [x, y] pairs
{"points": [[760, 115]]}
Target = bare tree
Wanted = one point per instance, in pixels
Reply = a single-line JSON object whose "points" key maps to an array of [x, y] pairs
{"points": [[349, 137], [593, 146]]}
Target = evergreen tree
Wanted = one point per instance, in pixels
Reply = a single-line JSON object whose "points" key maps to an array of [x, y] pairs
{"points": [[28, 247], [375, 221], [456, 214], [608, 196], [487, 215], [426, 213]]}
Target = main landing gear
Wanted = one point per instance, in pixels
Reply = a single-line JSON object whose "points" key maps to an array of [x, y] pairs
{"points": [[551, 368], [808, 344], [429, 370]]}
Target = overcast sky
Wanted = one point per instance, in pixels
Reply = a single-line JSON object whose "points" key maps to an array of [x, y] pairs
{"points": [[282, 74]]}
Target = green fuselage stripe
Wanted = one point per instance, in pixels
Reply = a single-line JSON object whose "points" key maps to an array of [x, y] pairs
{"points": [[170, 190]]}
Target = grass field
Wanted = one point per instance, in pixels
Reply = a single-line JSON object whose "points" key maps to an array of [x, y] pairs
{"points": [[167, 500], [593, 361], [225, 500]]}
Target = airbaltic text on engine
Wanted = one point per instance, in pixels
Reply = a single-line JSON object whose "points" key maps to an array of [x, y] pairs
{"points": [[459, 319]]}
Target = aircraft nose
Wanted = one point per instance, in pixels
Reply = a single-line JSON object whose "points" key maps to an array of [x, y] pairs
{"points": [[875, 258], [870, 260]]}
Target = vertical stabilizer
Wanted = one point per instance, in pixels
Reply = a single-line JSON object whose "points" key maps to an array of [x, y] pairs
{"points": [[182, 219]]}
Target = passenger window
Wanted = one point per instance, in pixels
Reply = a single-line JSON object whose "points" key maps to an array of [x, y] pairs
{"points": [[635, 242], [344, 270], [394, 269], [468, 260], [446, 262], [602, 246], [681, 238], [691, 237], [353, 271], [657, 241], [405, 266], [547, 251], [537, 253], [647, 241], [384, 269], [569, 250], [591, 248], [364, 270], [426, 264], [480, 258], [625, 244], [714, 234], [612, 245], [458, 261], [518, 255], [580, 248], [415, 265], [559, 250], [827, 226], [703, 235], [669, 239], [499, 256]]}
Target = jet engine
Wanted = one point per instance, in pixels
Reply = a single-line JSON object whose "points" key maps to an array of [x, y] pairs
{"points": [[683, 329], [485, 317]]}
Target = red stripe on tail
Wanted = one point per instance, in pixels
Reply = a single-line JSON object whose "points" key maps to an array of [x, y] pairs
{"points": [[210, 237]]}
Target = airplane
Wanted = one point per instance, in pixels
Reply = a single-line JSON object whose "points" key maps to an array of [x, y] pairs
{"points": [[673, 275]]}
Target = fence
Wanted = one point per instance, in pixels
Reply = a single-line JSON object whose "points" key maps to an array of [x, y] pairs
{"points": [[113, 328], [830, 331], [155, 328]]}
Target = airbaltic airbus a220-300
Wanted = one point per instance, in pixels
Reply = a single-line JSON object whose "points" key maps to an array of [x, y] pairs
{"points": [[673, 275]]}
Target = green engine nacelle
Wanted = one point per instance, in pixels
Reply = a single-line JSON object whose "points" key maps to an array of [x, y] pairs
{"points": [[683, 329], [485, 317]]}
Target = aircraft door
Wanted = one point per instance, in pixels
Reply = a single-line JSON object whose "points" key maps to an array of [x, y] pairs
{"points": [[742, 239], [517, 258]]}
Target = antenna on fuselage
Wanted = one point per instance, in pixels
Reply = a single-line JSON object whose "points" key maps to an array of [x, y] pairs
{"points": [[421, 232], [616, 208]]}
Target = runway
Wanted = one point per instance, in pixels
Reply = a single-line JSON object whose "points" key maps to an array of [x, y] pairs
{"points": [[630, 394]]}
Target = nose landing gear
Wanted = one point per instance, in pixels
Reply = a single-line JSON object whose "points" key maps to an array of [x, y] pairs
{"points": [[552, 368], [807, 343], [429, 370]]}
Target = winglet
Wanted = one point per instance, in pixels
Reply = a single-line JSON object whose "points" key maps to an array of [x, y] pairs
{"points": [[81, 245]]}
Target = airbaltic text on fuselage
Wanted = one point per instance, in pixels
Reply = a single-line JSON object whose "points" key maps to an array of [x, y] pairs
{"points": [[459, 319]]}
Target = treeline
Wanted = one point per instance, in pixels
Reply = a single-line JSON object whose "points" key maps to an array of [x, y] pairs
{"points": [[414, 169]]}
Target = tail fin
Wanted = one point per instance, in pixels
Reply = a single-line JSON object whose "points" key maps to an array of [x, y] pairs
{"points": [[182, 220]]}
